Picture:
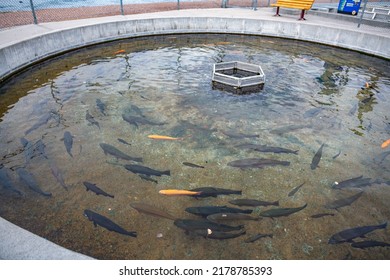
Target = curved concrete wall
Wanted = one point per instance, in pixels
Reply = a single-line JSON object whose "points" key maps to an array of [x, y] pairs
{"points": [[23, 53], [19, 244], [21, 47]]}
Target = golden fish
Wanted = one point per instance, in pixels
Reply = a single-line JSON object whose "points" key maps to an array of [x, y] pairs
{"points": [[162, 137], [119, 52], [385, 144], [178, 192]]}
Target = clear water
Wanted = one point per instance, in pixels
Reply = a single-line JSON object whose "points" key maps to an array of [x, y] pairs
{"points": [[313, 95]]}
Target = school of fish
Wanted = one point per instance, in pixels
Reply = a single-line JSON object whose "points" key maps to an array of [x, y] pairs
{"points": [[211, 220]]}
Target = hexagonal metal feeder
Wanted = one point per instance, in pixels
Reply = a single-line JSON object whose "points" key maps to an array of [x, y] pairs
{"points": [[238, 77]]}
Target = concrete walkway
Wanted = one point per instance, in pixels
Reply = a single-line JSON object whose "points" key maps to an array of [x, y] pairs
{"points": [[24, 45], [19, 244]]}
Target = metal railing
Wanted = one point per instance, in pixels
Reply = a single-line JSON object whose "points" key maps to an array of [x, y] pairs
{"points": [[379, 11]]}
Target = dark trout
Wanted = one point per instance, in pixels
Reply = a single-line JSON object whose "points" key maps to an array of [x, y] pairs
{"points": [[253, 202], [124, 141], [96, 189], [278, 212], [102, 221], [91, 119], [147, 178], [317, 157], [42, 121], [5, 181], [30, 181], [238, 135], [192, 165], [258, 236], [28, 150], [267, 149], [320, 215], [205, 211], [58, 175], [151, 210], [356, 182], [214, 192], [348, 235], [343, 202], [189, 225], [256, 163], [294, 190], [208, 233], [101, 106], [222, 217], [369, 243], [68, 142], [108, 149], [136, 120], [139, 169]]}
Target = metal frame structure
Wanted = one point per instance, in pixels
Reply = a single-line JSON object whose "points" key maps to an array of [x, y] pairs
{"points": [[239, 76]]}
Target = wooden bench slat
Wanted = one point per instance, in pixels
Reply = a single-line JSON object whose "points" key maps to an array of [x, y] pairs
{"points": [[297, 6], [294, 4], [310, 2], [295, 1]]}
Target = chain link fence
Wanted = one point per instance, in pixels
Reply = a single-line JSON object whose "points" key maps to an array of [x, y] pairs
{"points": [[22, 12]]}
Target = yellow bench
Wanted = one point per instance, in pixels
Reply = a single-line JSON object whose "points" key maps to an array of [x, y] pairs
{"points": [[294, 4]]}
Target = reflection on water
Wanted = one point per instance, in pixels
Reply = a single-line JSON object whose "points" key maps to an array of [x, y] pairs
{"points": [[77, 128]]}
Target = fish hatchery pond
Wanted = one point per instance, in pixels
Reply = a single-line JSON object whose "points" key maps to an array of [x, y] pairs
{"points": [[302, 157]]}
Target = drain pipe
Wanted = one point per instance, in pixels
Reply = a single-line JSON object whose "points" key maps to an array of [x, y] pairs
{"points": [[361, 16], [33, 12], [122, 11]]}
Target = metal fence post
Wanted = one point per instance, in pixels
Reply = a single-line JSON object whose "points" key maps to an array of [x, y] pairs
{"points": [[361, 16], [33, 12], [254, 5], [224, 3], [122, 12], [178, 4]]}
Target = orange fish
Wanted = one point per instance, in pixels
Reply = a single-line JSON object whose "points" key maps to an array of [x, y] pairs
{"points": [[178, 192], [385, 144], [119, 52], [162, 137]]}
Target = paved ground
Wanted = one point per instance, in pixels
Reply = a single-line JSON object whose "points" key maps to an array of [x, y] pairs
{"points": [[16, 243]]}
